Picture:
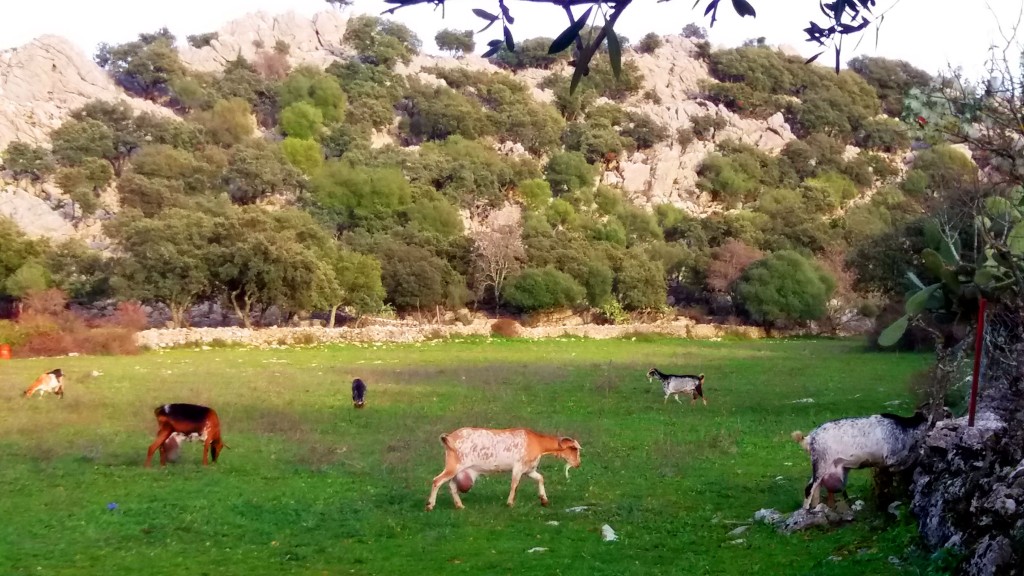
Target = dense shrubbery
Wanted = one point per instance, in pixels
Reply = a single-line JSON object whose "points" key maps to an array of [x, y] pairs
{"points": [[367, 227]]}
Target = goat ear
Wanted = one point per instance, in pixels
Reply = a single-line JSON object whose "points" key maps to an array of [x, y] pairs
{"points": [[565, 441]]}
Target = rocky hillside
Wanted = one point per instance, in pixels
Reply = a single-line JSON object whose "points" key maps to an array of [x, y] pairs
{"points": [[43, 81]]}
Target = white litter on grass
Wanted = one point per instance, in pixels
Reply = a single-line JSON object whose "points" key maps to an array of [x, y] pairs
{"points": [[803, 401], [858, 506], [740, 541], [96, 373], [577, 509], [552, 522], [608, 534], [537, 549], [894, 403]]}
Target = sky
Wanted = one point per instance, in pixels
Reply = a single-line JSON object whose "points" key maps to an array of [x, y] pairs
{"points": [[931, 34]]}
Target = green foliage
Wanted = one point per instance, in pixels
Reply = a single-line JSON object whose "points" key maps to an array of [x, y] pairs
{"points": [[82, 273], [434, 216], [313, 87], [466, 172], [306, 155], [358, 281], [437, 112], [27, 160], [945, 169], [643, 130], [640, 283], [199, 41], [883, 134], [74, 141], [28, 278], [649, 43], [373, 92], [694, 31], [530, 53], [380, 42], [704, 126], [415, 278], [228, 123], [594, 140], [569, 172], [301, 120], [257, 168], [602, 81], [891, 79], [536, 289], [828, 192], [535, 193], [347, 197], [455, 42], [144, 66], [785, 287], [726, 181], [17, 249]]}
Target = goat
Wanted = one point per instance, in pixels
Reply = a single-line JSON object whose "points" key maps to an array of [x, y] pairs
{"points": [[676, 384], [470, 452], [879, 441], [186, 419], [52, 382], [358, 393]]}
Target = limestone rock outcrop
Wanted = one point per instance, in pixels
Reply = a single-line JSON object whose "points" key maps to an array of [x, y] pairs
{"points": [[315, 41], [42, 81]]}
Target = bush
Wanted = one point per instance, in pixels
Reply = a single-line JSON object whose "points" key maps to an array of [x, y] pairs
{"points": [[728, 262], [643, 130], [785, 287], [306, 155], [28, 160], [695, 32], [649, 43], [704, 126], [129, 316], [506, 328], [685, 136], [301, 120], [569, 172], [640, 284], [536, 289], [883, 134]]}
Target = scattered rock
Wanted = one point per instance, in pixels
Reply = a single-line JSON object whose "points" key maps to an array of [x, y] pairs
{"points": [[608, 534], [769, 516], [738, 531], [577, 509]]}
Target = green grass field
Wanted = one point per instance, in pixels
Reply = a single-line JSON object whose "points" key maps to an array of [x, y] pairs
{"points": [[311, 486]]}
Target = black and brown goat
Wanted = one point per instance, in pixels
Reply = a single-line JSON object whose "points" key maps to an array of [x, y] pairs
{"points": [[358, 393], [186, 419]]}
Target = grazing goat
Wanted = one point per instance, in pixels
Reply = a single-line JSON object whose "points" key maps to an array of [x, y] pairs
{"points": [[186, 419], [358, 393], [470, 452], [675, 384], [879, 441], [52, 382]]}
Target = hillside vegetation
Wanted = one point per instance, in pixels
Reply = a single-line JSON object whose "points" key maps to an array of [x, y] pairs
{"points": [[360, 188]]}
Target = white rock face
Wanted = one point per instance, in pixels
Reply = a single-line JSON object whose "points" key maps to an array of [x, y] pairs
{"points": [[42, 81], [33, 215], [315, 41]]}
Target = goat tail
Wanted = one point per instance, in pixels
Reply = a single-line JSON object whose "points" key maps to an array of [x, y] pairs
{"points": [[700, 377], [797, 436]]}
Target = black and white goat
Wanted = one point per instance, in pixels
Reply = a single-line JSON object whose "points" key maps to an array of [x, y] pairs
{"points": [[887, 441], [676, 384], [358, 393]]}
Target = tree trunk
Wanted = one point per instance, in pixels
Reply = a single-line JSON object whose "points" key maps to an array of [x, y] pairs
{"points": [[242, 311], [178, 312], [334, 311]]}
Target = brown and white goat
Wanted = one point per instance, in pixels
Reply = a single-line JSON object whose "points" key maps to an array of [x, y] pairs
{"points": [[52, 382], [470, 452], [186, 419]]}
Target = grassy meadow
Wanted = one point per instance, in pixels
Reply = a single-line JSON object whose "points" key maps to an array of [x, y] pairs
{"points": [[309, 485]]}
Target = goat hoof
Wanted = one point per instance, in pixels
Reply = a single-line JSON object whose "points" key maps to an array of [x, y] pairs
{"points": [[429, 507], [543, 501]]}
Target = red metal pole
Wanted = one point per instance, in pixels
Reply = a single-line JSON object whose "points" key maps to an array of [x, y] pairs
{"points": [[979, 341]]}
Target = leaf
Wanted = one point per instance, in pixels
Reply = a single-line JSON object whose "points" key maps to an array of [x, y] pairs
{"points": [[508, 40], [570, 34], [894, 332], [614, 52], [913, 278], [932, 261], [837, 59], [493, 43], [577, 75], [813, 58], [1015, 241], [984, 276], [508, 15], [492, 51], [484, 14], [915, 305], [489, 24], [743, 8]]}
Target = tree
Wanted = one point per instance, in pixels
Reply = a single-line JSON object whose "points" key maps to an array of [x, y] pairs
{"points": [[257, 168], [316, 88], [728, 262], [694, 32], [306, 155], [546, 288], [358, 278], [164, 259], [455, 42], [27, 160], [301, 120], [381, 42], [144, 67], [785, 287], [229, 123], [649, 43], [347, 196], [30, 277], [498, 252]]}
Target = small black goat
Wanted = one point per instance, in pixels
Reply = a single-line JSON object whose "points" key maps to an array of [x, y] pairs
{"points": [[676, 384], [358, 393]]}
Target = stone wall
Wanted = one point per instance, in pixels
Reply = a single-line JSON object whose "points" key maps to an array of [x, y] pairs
{"points": [[400, 332]]}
